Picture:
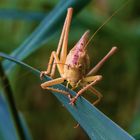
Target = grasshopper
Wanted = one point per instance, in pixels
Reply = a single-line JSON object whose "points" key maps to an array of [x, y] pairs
{"points": [[74, 66]]}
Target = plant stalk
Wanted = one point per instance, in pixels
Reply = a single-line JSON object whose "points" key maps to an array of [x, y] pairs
{"points": [[11, 103]]}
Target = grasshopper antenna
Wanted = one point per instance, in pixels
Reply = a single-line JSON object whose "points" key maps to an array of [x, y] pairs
{"points": [[106, 21]]}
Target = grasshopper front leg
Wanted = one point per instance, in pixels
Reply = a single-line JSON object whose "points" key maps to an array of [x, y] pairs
{"points": [[93, 80], [48, 84]]}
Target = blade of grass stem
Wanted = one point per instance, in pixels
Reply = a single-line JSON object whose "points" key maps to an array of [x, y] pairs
{"points": [[95, 123]]}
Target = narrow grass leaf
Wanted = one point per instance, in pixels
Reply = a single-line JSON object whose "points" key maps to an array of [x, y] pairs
{"points": [[7, 128], [21, 15], [95, 123]]}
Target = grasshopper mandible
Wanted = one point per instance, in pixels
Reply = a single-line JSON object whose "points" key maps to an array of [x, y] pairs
{"points": [[74, 67]]}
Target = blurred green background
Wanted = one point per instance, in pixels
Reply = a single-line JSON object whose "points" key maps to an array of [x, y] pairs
{"points": [[46, 117]]}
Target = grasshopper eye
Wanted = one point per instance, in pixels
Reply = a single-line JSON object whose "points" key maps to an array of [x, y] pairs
{"points": [[68, 67], [80, 66]]}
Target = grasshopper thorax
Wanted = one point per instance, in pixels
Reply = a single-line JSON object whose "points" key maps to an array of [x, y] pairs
{"points": [[77, 61]]}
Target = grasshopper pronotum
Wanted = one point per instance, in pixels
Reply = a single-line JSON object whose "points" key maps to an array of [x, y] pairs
{"points": [[74, 67]]}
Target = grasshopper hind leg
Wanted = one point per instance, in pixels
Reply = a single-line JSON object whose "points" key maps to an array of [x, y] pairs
{"points": [[61, 49]]}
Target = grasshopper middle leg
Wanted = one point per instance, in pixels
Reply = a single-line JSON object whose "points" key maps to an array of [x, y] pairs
{"points": [[93, 81]]}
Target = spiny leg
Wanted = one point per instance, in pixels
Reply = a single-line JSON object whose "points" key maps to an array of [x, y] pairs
{"points": [[97, 93], [58, 63], [63, 54], [63, 41], [58, 80], [93, 79], [48, 68], [57, 52], [46, 85], [59, 66]]}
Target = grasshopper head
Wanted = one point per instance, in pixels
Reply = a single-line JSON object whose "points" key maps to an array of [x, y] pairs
{"points": [[73, 74]]}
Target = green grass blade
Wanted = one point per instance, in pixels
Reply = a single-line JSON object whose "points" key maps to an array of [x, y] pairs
{"points": [[7, 128], [95, 123], [45, 30], [7, 132], [21, 15], [25, 127]]}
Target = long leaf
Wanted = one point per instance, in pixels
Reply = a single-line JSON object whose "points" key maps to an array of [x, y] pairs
{"points": [[45, 30], [95, 123], [7, 128], [6, 131], [15, 14]]}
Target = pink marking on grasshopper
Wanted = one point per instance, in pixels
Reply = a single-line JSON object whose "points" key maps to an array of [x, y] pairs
{"points": [[80, 47], [77, 61]]}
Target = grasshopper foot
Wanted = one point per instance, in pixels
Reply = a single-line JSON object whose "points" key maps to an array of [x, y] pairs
{"points": [[42, 74], [70, 97], [73, 100]]}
